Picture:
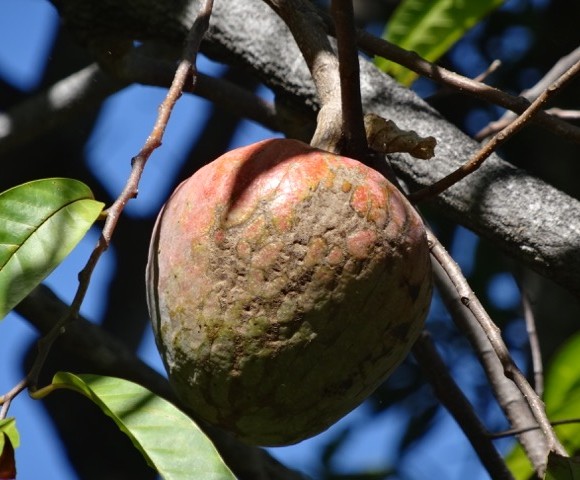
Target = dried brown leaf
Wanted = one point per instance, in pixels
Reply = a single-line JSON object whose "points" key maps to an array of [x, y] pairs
{"points": [[384, 136]]}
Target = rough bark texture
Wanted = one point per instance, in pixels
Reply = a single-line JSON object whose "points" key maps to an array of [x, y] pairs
{"points": [[530, 220], [527, 218]]}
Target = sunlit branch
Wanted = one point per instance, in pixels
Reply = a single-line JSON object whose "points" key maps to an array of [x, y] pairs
{"points": [[88, 88], [463, 84], [500, 351], [486, 150], [353, 130], [559, 68], [65, 100]]}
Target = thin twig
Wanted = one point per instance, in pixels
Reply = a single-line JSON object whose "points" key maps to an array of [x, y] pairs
{"points": [[355, 144], [564, 113], [532, 93], [6, 399], [493, 66], [484, 152], [185, 71], [457, 404], [440, 75], [536, 353], [509, 398], [446, 90], [308, 31], [505, 120], [517, 431], [493, 334]]}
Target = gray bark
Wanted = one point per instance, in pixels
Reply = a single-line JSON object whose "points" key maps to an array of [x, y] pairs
{"points": [[531, 221], [528, 219]]}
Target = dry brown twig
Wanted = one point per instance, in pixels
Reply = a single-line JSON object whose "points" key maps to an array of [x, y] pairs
{"points": [[493, 66], [509, 398], [517, 431], [510, 370], [484, 152], [353, 128], [446, 91], [536, 353], [414, 62], [561, 66], [564, 113], [186, 70], [308, 30]]}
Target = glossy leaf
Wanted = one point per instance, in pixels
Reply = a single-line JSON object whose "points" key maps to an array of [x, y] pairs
{"points": [[430, 28], [562, 399], [40, 223], [8, 427], [168, 439]]}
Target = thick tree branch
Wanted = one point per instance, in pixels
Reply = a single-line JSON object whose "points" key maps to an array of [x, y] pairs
{"points": [[530, 220], [63, 102], [497, 140], [309, 34], [88, 88]]}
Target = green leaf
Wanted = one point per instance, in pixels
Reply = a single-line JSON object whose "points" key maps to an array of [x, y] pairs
{"points": [[169, 440], [9, 440], [8, 427], [40, 223], [562, 399], [430, 28], [562, 468]]}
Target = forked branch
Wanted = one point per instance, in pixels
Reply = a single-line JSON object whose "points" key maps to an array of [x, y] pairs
{"points": [[496, 360], [498, 139]]}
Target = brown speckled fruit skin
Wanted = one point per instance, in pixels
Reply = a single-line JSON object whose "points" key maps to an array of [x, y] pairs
{"points": [[285, 284]]}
